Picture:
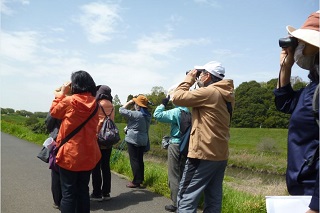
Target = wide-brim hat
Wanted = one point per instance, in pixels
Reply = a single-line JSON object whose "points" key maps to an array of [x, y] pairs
{"points": [[309, 32], [141, 100]]}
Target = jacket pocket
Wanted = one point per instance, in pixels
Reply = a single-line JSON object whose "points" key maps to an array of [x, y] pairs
{"points": [[310, 167]]}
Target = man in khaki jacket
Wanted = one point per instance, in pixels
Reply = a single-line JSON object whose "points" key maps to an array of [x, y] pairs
{"points": [[212, 106]]}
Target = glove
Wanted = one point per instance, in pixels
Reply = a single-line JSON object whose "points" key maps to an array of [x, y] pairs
{"points": [[165, 101]]}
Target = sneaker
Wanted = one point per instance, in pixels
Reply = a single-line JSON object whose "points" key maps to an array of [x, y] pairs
{"points": [[106, 197], [170, 208], [96, 198]]}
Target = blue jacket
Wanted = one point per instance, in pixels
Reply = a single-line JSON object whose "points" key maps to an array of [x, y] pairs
{"points": [[303, 138], [171, 116]]}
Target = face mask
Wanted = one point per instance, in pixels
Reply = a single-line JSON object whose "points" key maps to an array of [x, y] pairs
{"points": [[305, 62]]}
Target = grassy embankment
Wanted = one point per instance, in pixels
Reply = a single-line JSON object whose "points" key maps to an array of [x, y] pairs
{"points": [[259, 150]]}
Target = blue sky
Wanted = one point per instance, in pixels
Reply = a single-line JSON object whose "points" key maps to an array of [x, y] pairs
{"points": [[133, 46]]}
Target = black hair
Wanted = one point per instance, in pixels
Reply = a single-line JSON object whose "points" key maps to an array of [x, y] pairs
{"points": [[81, 82], [215, 78]]}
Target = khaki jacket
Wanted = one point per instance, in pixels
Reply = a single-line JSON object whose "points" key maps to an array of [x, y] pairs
{"points": [[210, 117]]}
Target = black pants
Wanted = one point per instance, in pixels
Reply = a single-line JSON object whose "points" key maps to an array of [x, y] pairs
{"points": [[56, 187], [136, 162], [75, 191], [102, 167]]}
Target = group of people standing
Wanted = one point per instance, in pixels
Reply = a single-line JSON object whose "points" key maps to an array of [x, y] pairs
{"points": [[76, 103], [80, 106], [202, 172]]}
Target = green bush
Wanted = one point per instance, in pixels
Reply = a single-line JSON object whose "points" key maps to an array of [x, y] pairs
{"points": [[268, 145]]}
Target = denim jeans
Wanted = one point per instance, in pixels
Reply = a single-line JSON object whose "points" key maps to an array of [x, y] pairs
{"points": [[75, 191], [102, 167]]}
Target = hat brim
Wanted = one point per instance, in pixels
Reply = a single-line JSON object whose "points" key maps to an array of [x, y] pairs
{"points": [[309, 36]]}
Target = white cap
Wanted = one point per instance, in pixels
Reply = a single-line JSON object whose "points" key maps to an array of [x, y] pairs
{"points": [[213, 67]]}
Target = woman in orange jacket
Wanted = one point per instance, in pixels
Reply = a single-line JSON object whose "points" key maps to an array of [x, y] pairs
{"points": [[78, 156]]}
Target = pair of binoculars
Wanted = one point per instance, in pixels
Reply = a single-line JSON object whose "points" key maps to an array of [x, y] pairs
{"points": [[288, 42]]}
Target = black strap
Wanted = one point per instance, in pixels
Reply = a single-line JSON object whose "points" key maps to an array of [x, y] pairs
{"points": [[78, 128], [229, 107], [105, 112]]}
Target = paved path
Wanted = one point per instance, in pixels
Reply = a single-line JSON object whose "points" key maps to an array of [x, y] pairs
{"points": [[25, 185]]}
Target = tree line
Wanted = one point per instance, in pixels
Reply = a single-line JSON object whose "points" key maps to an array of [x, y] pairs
{"points": [[254, 106]]}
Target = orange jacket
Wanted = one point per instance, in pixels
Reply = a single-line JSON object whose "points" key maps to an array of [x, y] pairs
{"points": [[81, 152]]}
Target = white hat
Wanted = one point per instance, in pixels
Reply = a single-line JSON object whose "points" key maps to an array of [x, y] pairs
{"points": [[309, 32], [213, 67]]}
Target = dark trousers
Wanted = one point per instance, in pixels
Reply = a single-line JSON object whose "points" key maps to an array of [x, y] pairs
{"points": [[75, 191], [102, 167], [56, 187], [136, 162]]}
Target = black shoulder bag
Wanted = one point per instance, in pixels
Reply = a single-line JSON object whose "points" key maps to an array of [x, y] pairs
{"points": [[44, 153]]}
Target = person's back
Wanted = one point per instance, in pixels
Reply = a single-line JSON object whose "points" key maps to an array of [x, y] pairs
{"points": [[74, 110], [175, 161], [210, 119], [80, 154], [101, 174], [137, 125], [208, 146], [137, 136]]}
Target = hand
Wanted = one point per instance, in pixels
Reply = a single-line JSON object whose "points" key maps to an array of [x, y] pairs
{"points": [[193, 73], [66, 88], [166, 100], [287, 58]]}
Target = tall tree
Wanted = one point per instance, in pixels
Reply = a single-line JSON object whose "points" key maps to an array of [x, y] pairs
{"points": [[116, 100]]}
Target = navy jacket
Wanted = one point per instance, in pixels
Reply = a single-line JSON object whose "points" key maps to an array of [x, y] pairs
{"points": [[303, 140]]}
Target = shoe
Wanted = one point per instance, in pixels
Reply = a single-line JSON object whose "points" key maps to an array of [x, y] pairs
{"points": [[55, 206], [96, 198], [106, 197], [132, 185], [170, 208]]}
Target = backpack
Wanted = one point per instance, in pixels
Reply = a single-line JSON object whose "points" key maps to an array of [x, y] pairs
{"points": [[185, 129], [109, 132]]}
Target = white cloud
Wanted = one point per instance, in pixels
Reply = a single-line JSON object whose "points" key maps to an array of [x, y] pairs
{"points": [[6, 10], [212, 3], [20, 46], [164, 44], [99, 20]]}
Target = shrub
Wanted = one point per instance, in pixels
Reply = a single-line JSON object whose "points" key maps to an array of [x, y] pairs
{"points": [[268, 145]]}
